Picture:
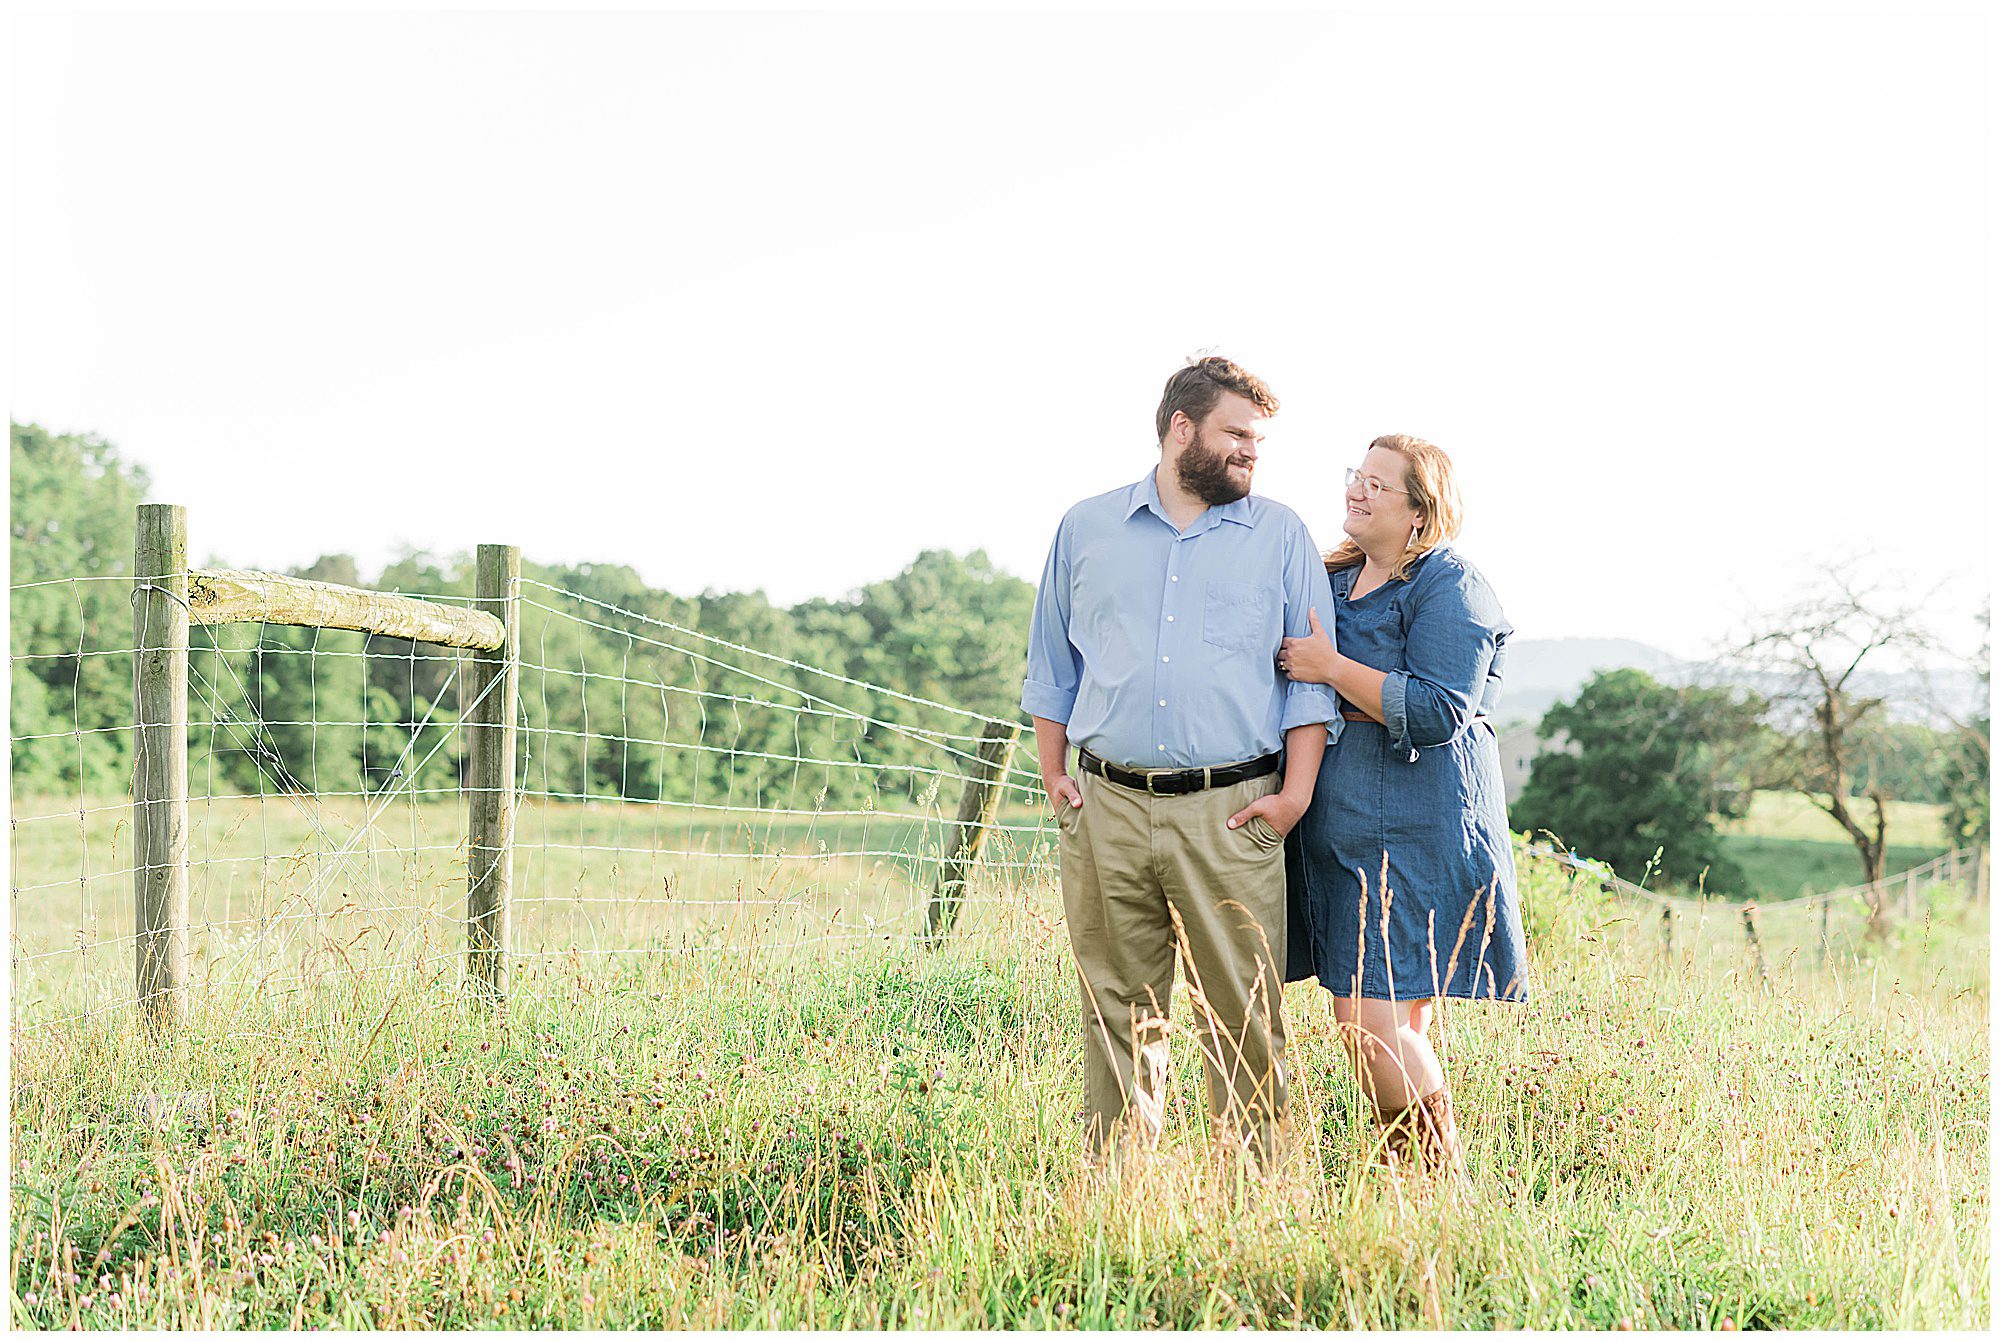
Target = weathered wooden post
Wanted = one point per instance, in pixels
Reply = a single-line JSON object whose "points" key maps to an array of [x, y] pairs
{"points": [[1910, 896], [159, 762], [1667, 929], [1980, 876], [1955, 873], [490, 753], [976, 806], [1825, 915], [1750, 934]]}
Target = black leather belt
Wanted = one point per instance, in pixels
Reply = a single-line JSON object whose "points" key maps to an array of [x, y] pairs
{"points": [[1178, 781]]}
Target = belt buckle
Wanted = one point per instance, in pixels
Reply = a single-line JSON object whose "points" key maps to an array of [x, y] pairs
{"points": [[1150, 789]]}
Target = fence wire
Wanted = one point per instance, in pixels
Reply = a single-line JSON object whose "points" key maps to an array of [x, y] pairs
{"points": [[676, 794]]}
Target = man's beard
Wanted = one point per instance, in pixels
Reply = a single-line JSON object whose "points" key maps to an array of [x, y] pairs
{"points": [[1205, 474]]}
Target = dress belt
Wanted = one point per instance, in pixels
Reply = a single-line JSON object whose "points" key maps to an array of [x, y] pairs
{"points": [[1177, 781]]}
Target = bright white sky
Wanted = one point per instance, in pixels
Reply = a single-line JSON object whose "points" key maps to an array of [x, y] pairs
{"points": [[778, 301]]}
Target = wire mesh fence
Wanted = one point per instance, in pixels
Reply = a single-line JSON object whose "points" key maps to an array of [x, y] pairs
{"points": [[676, 793]]}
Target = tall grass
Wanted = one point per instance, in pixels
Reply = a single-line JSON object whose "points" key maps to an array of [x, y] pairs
{"points": [[873, 1135]]}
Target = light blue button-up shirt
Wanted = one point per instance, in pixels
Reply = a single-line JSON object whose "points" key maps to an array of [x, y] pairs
{"points": [[1158, 647]]}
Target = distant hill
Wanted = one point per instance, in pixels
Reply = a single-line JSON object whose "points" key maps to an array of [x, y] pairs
{"points": [[1544, 671]]}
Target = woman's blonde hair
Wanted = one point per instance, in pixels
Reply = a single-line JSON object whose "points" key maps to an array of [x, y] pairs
{"points": [[1433, 493]]}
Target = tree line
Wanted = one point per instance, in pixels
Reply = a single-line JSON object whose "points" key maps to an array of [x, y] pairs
{"points": [[609, 707]]}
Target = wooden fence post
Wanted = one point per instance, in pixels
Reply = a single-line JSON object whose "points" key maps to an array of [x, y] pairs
{"points": [[1955, 874], [1667, 929], [1980, 876], [1750, 933], [489, 776], [159, 762], [1825, 915], [1910, 896], [976, 805]]}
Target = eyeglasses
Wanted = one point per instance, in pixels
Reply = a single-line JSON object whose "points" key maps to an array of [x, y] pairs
{"points": [[1371, 486]]}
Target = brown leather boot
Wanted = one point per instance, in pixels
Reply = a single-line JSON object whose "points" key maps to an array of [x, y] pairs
{"points": [[1399, 1148], [1437, 1132]]}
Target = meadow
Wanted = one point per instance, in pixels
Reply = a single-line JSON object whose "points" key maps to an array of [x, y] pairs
{"points": [[790, 1114], [1788, 846]]}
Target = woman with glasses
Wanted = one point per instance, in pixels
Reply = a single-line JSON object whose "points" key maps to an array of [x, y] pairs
{"points": [[1401, 874]]}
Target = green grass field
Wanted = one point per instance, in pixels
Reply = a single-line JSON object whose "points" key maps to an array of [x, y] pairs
{"points": [[744, 1126], [281, 890], [1787, 846]]}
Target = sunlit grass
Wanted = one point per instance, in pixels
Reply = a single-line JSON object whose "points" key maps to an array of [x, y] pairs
{"points": [[869, 1134], [1791, 815]]}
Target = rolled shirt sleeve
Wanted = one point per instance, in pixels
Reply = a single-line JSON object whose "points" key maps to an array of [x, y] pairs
{"points": [[1455, 627], [1307, 588], [1055, 667]]}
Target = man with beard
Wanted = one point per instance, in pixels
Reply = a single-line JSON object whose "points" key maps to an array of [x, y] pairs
{"points": [[1153, 649]]}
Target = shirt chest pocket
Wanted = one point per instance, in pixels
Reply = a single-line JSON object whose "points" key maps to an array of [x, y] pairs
{"points": [[1239, 617]]}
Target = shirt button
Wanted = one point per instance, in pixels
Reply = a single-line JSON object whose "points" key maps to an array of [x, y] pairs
{"points": [[1163, 703], [1163, 747], [1170, 619], [1175, 578], [1166, 659]]}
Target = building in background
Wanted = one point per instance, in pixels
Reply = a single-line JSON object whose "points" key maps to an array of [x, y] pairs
{"points": [[1519, 745]]}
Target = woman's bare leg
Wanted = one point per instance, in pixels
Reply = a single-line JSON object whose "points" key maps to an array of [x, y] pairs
{"points": [[1399, 1070], [1389, 1042]]}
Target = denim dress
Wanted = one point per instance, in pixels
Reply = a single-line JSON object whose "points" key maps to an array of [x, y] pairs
{"points": [[1419, 801]]}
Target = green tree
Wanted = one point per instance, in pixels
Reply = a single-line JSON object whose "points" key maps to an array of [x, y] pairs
{"points": [[71, 502], [1651, 767], [1812, 656], [1968, 756]]}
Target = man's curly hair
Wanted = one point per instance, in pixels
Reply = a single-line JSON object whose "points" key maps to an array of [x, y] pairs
{"points": [[1193, 391]]}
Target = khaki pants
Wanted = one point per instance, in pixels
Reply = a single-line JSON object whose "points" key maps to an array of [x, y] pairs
{"points": [[1130, 863]]}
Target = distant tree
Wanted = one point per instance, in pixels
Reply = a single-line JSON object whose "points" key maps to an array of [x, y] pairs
{"points": [[1968, 816], [70, 516], [952, 629], [1653, 765], [1812, 655]]}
